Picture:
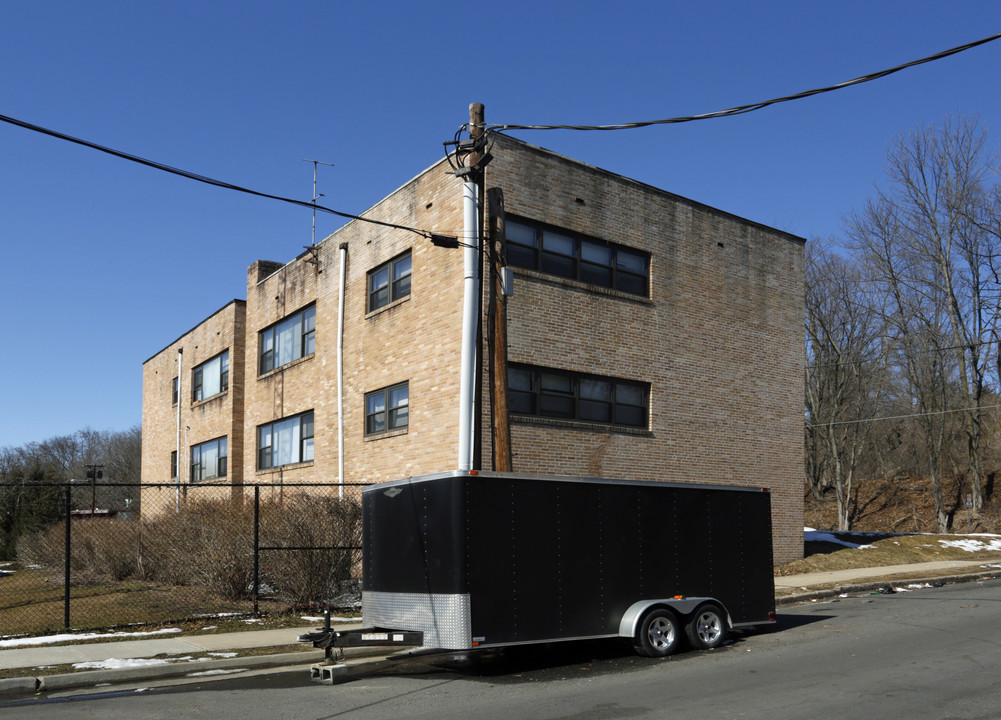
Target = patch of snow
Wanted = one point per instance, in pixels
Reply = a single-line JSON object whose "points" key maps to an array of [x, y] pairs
{"points": [[223, 654], [809, 529], [210, 627], [251, 621], [205, 673], [838, 538], [118, 663], [979, 543], [76, 637]]}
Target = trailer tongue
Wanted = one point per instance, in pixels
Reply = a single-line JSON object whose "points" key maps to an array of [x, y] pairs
{"points": [[466, 559]]}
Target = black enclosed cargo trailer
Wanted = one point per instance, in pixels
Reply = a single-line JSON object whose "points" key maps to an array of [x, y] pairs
{"points": [[487, 559]]}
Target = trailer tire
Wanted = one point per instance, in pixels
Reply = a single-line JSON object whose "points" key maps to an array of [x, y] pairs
{"points": [[658, 634], [707, 628]]}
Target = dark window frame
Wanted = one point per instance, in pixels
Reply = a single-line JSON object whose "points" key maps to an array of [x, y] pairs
{"points": [[175, 392], [198, 379], [388, 419], [197, 468], [266, 453], [305, 343], [557, 394], [173, 464], [536, 257], [394, 288]]}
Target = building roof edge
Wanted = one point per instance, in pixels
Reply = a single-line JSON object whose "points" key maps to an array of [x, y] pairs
{"points": [[191, 329]]}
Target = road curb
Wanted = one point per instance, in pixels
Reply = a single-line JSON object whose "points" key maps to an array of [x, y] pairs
{"points": [[90, 678], [18, 686]]}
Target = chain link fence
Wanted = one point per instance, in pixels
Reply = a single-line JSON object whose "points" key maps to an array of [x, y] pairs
{"points": [[108, 555]]}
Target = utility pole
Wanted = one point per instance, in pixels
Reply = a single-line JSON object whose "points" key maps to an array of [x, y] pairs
{"points": [[497, 333], [94, 473]]}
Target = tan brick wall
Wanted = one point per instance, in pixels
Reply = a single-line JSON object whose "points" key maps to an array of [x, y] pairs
{"points": [[214, 417], [409, 340], [719, 340]]}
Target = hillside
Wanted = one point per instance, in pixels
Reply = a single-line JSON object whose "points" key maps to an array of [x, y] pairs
{"points": [[905, 505], [888, 509]]}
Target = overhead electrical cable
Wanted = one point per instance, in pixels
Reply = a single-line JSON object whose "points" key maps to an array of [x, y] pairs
{"points": [[900, 417], [741, 109], [204, 179]]}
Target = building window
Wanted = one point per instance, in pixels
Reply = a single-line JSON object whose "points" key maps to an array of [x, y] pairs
{"points": [[175, 392], [387, 409], [210, 378], [577, 396], [288, 340], [208, 460], [173, 463], [578, 257], [389, 282], [285, 442]]}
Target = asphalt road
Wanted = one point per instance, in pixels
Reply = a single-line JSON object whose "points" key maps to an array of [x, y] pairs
{"points": [[930, 653]]}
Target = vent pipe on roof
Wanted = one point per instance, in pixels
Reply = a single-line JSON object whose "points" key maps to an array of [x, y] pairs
{"points": [[469, 359], [471, 291], [340, 371], [179, 462]]}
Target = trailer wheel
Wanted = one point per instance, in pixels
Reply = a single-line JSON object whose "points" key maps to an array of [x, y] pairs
{"points": [[707, 628], [658, 635]]}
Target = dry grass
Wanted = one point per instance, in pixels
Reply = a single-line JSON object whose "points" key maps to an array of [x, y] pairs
{"points": [[31, 603], [895, 550]]}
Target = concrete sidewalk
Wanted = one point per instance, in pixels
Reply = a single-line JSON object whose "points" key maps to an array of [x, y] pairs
{"points": [[794, 588], [788, 590], [150, 647]]}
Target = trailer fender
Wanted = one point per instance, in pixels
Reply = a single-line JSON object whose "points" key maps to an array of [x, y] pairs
{"points": [[682, 606]]}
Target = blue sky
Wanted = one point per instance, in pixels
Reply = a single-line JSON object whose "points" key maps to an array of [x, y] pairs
{"points": [[106, 262]]}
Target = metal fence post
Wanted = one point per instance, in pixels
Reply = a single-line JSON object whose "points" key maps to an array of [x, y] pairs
{"points": [[66, 552], [257, 548]]}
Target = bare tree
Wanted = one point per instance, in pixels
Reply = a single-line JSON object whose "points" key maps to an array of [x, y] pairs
{"points": [[939, 194], [845, 371]]}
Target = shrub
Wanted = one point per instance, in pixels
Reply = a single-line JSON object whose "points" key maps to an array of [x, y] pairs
{"points": [[209, 544], [311, 575]]}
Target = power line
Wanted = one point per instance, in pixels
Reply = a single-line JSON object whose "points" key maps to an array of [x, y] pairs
{"points": [[899, 417], [741, 109], [204, 179]]}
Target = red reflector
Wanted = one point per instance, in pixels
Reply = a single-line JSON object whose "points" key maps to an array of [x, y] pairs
{"points": [[771, 616], [474, 472], [475, 644]]}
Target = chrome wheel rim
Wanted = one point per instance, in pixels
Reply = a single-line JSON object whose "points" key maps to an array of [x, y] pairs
{"points": [[709, 627], [661, 633]]}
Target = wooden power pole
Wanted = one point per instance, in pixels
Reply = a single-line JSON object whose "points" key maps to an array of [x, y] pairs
{"points": [[497, 333]]}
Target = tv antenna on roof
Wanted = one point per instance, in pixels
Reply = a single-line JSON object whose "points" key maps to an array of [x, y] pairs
{"points": [[315, 196]]}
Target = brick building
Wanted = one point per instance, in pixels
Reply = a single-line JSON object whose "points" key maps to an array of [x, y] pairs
{"points": [[649, 337]]}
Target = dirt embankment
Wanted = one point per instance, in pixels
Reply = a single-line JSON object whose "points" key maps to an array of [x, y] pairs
{"points": [[906, 505]]}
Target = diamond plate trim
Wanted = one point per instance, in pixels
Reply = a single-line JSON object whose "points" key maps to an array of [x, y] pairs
{"points": [[444, 619]]}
